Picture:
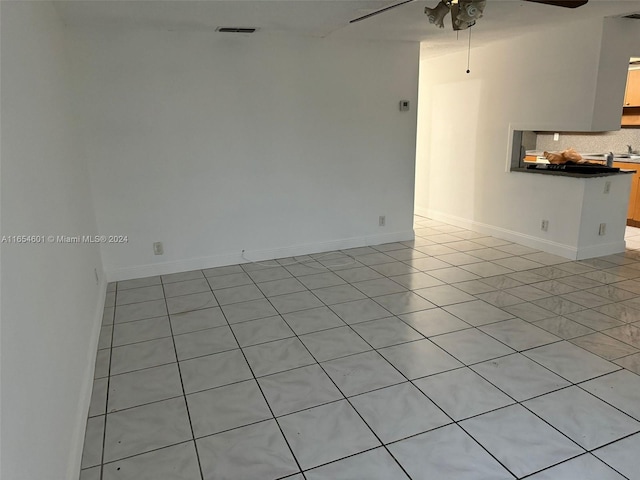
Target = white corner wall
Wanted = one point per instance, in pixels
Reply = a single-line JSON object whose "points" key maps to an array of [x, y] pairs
{"points": [[214, 144], [541, 81], [51, 306]]}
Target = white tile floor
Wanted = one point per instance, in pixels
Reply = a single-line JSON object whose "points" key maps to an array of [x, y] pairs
{"points": [[456, 356]]}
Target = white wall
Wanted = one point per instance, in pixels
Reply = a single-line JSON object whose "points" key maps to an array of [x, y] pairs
{"points": [[215, 143], [541, 81], [50, 300]]}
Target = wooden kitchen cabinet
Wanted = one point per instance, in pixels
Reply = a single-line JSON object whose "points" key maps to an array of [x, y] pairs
{"points": [[631, 107], [633, 212], [632, 93]]}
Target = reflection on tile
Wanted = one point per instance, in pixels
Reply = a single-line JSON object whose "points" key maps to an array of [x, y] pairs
{"points": [[631, 363], [462, 393], [419, 359], [471, 346], [398, 412], [519, 334], [277, 356], [604, 346], [145, 428], [413, 281], [405, 302], [386, 332], [500, 298], [629, 334], [326, 433], [338, 294], [312, 320], [359, 311], [519, 377], [594, 319], [298, 389], [254, 451], [375, 464], [144, 386], [361, 373], [334, 343], [106, 333], [177, 461], [444, 295], [529, 312], [223, 408], [477, 312], [379, 286], [520, 440], [586, 420], [447, 452], [570, 361], [563, 327], [434, 322]]}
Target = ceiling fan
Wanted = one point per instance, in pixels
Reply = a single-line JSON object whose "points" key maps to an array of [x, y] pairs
{"points": [[464, 13]]}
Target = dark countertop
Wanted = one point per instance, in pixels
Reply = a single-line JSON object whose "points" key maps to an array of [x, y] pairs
{"points": [[560, 173]]}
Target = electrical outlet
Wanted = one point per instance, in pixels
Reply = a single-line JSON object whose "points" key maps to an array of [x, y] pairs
{"points": [[556, 137], [158, 249], [607, 186], [603, 229], [382, 221], [544, 226]]}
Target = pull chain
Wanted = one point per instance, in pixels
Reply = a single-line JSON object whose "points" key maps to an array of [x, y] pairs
{"points": [[469, 52]]}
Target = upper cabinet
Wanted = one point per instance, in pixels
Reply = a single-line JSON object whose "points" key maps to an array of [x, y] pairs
{"points": [[631, 107], [632, 94]]}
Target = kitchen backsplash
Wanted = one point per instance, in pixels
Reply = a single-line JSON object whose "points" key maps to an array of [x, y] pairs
{"points": [[602, 142]]}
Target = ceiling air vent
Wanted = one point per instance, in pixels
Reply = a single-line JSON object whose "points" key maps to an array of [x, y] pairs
{"points": [[236, 29], [633, 16]]}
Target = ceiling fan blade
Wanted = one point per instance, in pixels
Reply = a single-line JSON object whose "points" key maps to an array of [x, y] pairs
{"points": [[377, 12], [562, 3]]}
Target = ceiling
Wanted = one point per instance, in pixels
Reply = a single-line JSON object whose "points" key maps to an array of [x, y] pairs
{"points": [[330, 18]]}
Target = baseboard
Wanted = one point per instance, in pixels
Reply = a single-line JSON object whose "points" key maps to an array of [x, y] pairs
{"points": [[567, 251], [84, 401], [140, 271], [601, 250]]}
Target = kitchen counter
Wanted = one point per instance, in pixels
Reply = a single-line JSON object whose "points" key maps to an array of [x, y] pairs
{"points": [[560, 173]]}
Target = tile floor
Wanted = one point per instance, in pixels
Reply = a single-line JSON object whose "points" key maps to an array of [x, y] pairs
{"points": [[455, 356]]}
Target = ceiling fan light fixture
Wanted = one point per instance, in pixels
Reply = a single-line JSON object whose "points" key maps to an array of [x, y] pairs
{"points": [[436, 15]]}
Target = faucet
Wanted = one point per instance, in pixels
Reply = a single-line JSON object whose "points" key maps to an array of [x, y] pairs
{"points": [[629, 150]]}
